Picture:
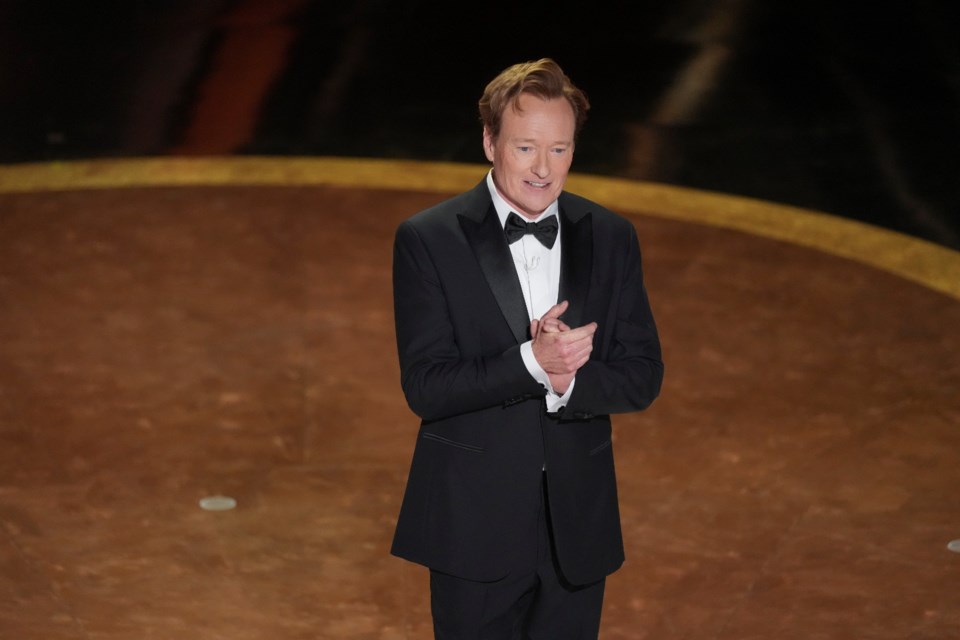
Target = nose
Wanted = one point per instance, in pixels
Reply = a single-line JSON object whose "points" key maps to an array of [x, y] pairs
{"points": [[541, 165]]}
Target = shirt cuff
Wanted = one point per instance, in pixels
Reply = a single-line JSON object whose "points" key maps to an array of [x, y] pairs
{"points": [[554, 402]]}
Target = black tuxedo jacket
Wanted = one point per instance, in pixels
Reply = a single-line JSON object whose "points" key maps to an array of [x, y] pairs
{"points": [[475, 481]]}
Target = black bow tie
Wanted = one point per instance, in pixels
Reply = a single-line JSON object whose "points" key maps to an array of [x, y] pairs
{"points": [[545, 231]]}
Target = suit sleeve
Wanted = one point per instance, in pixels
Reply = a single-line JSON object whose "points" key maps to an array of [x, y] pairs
{"points": [[437, 380], [628, 376]]}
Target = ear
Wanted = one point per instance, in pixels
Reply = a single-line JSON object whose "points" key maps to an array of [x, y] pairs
{"points": [[488, 144]]}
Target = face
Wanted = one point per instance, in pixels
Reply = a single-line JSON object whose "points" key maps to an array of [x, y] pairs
{"points": [[531, 157]]}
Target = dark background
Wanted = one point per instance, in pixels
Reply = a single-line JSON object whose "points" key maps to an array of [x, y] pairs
{"points": [[852, 108]]}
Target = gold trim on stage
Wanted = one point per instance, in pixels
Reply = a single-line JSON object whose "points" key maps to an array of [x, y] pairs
{"points": [[923, 262]]}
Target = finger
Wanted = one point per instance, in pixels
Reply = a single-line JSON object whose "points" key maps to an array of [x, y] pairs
{"points": [[580, 354], [556, 310], [553, 325], [534, 328], [580, 333]]}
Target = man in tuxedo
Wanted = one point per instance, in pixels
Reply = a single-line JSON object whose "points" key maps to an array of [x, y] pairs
{"points": [[522, 323]]}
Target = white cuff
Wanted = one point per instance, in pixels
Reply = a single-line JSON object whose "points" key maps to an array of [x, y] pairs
{"points": [[554, 402]]}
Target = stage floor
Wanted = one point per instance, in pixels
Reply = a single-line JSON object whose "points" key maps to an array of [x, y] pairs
{"points": [[799, 477]]}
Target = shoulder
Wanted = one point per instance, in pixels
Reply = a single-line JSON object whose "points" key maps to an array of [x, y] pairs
{"points": [[439, 227], [576, 207], [474, 203], [441, 214]]}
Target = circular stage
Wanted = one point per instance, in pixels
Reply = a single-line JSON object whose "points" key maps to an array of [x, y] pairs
{"points": [[176, 329]]}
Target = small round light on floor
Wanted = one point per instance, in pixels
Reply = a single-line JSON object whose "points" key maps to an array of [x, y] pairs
{"points": [[954, 545], [217, 503]]}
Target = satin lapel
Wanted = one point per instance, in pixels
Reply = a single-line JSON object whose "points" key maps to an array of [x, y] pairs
{"points": [[490, 248], [576, 263]]}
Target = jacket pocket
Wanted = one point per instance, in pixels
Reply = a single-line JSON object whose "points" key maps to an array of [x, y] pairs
{"points": [[600, 447], [452, 443]]}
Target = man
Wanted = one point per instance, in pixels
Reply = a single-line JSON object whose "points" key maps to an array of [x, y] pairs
{"points": [[516, 342]]}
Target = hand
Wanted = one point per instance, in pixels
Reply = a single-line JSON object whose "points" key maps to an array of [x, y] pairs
{"points": [[559, 349], [561, 382], [550, 321]]}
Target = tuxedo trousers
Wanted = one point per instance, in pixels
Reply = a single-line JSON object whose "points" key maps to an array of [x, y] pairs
{"points": [[533, 602]]}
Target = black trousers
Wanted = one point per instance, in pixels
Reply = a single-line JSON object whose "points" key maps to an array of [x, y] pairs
{"points": [[534, 602]]}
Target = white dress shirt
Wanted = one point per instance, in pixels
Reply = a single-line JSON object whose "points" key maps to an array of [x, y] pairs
{"points": [[538, 269]]}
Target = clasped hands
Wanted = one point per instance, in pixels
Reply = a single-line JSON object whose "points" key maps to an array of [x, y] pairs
{"points": [[559, 349]]}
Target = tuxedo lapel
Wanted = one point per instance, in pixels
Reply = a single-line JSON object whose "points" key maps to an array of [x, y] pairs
{"points": [[490, 248], [576, 262]]}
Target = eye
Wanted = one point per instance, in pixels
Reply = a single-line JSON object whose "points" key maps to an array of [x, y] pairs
{"points": [[523, 149]]}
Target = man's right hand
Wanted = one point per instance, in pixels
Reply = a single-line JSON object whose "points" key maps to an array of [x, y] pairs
{"points": [[559, 349]]}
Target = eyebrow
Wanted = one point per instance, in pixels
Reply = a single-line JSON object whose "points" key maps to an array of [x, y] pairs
{"points": [[532, 140]]}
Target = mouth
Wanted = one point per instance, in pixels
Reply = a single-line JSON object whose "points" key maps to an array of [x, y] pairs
{"points": [[537, 185]]}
